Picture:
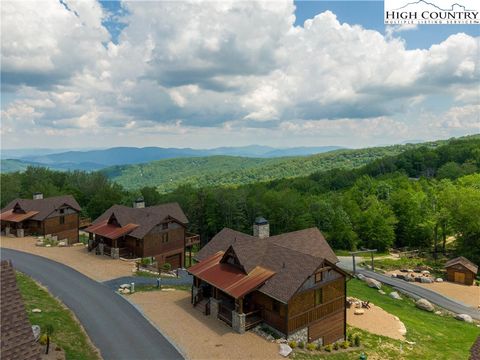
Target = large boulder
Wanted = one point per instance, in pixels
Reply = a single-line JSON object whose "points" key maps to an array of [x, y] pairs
{"points": [[464, 317], [36, 332], [424, 304], [395, 295], [360, 277], [373, 283], [285, 350], [426, 280], [439, 280]]}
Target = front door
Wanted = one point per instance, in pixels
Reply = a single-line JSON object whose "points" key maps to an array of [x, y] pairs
{"points": [[459, 277]]}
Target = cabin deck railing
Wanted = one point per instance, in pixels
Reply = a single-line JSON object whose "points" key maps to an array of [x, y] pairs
{"points": [[191, 239]]}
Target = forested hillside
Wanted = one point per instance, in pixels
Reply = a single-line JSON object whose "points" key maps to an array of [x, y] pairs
{"points": [[166, 175], [417, 199]]}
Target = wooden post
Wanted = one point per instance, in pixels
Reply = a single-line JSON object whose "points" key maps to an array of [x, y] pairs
{"points": [[354, 269], [373, 268], [240, 305], [190, 258]]}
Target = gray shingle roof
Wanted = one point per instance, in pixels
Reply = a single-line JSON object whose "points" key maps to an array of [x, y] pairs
{"points": [[293, 256], [16, 331], [44, 206], [147, 218]]}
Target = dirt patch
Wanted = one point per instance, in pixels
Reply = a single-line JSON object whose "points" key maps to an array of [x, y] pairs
{"points": [[197, 335], [97, 267], [376, 321], [469, 295]]}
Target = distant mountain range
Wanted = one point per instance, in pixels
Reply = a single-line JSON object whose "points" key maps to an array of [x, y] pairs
{"points": [[88, 160]]}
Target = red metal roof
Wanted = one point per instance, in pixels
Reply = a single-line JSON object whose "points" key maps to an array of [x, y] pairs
{"points": [[17, 217], [229, 278], [110, 231]]}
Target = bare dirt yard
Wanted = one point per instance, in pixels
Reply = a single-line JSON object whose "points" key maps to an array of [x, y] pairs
{"points": [[197, 335], [100, 268], [377, 321], [469, 295]]}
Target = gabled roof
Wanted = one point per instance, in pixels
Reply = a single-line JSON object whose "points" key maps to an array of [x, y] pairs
{"points": [[146, 218], [43, 207], [16, 331], [292, 257], [463, 261], [110, 231]]}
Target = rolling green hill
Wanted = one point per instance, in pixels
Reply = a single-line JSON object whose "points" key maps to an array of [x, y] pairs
{"points": [[166, 175]]}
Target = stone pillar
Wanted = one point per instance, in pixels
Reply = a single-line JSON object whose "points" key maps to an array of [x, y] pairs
{"points": [[194, 293], [115, 253], [100, 248], [7, 230], [20, 233], [214, 305], [238, 322], [90, 244]]}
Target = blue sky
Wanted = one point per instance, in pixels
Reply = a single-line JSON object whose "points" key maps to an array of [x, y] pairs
{"points": [[207, 74]]}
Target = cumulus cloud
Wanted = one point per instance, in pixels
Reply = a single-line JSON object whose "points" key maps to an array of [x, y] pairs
{"points": [[178, 66]]}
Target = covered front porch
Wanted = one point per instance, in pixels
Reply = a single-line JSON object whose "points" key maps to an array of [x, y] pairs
{"points": [[241, 313], [111, 240]]}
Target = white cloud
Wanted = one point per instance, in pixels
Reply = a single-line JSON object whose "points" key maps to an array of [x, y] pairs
{"points": [[225, 65]]}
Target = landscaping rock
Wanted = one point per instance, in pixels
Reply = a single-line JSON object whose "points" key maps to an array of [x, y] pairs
{"points": [[62, 243], [403, 270], [464, 317], [359, 312], [395, 295], [39, 243], [36, 311], [425, 272], [36, 332], [409, 270], [417, 279], [125, 286], [78, 244], [394, 275], [48, 245], [408, 278], [125, 291], [381, 292], [438, 312], [439, 280], [424, 304], [426, 280], [373, 283], [360, 277], [285, 350]]}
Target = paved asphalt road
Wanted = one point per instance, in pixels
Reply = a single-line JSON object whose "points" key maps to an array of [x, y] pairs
{"points": [[183, 279], [432, 296], [115, 326]]}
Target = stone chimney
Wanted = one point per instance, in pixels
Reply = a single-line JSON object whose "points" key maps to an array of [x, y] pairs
{"points": [[37, 196], [139, 203], [261, 228]]}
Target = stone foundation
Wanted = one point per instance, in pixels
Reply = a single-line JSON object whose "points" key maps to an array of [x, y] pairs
{"points": [[299, 335], [100, 248], [20, 232], [238, 322], [194, 293], [7, 231], [115, 253], [214, 307]]}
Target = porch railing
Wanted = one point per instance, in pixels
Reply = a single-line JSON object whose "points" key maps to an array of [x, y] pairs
{"points": [[191, 239], [252, 319]]}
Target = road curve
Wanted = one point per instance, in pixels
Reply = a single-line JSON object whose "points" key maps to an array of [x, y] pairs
{"points": [[114, 325], [432, 296]]}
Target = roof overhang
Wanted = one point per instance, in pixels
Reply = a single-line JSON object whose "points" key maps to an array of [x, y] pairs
{"points": [[110, 231], [229, 278], [17, 217]]}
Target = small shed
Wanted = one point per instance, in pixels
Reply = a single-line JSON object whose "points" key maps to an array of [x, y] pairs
{"points": [[461, 270]]}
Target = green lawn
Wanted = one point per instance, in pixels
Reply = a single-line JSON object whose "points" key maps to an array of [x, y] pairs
{"points": [[436, 337], [67, 332]]}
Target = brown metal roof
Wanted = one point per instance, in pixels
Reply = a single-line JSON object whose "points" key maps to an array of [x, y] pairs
{"points": [[147, 218], [43, 207], [16, 331], [110, 231], [9, 215], [463, 261], [229, 278]]}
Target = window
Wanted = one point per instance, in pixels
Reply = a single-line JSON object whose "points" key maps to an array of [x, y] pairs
{"points": [[165, 238], [318, 296], [318, 277], [165, 226], [276, 306], [62, 211], [62, 220]]}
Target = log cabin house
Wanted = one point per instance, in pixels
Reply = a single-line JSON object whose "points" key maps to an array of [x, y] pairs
{"points": [[156, 231], [57, 216], [461, 270], [288, 282]]}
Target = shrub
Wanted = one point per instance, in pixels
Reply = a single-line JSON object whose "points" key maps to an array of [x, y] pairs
{"points": [[349, 337], [335, 346], [345, 344], [356, 340], [43, 339], [301, 344], [167, 267], [292, 344], [328, 348], [145, 261], [311, 346], [319, 347]]}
